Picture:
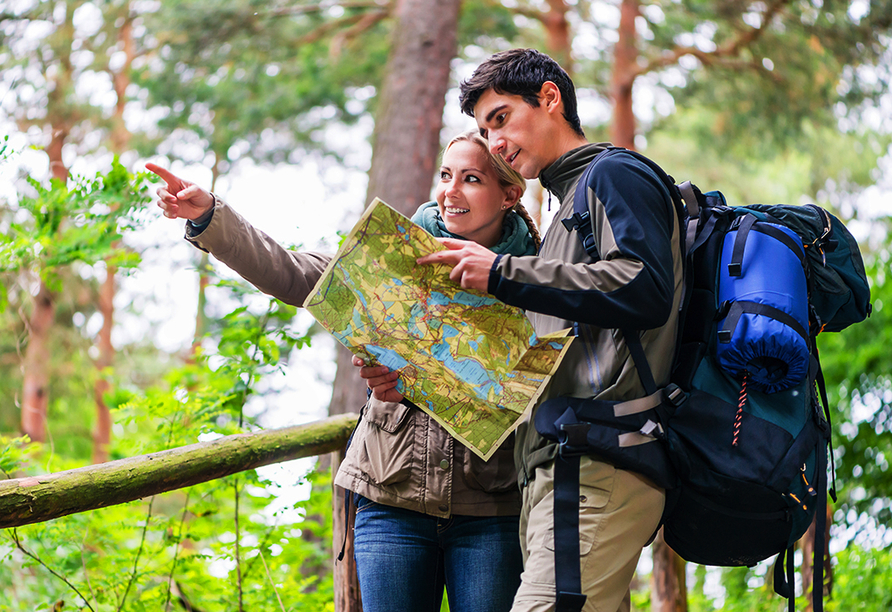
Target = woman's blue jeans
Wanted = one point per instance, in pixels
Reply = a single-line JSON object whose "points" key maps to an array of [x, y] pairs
{"points": [[404, 559]]}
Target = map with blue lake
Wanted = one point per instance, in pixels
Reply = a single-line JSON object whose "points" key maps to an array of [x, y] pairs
{"points": [[470, 361]]}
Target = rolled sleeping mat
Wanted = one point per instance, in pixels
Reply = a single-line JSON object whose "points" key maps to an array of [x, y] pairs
{"points": [[763, 299]]}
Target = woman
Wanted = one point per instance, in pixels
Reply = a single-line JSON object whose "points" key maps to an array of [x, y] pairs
{"points": [[429, 513]]}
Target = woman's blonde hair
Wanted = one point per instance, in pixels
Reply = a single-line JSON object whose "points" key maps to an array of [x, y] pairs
{"points": [[508, 177]]}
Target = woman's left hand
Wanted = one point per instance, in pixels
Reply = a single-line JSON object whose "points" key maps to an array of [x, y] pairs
{"points": [[380, 380]]}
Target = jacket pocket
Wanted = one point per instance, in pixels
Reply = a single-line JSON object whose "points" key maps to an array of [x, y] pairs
{"points": [[497, 475], [387, 442]]}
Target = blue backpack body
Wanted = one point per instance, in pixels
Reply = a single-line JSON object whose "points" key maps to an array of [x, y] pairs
{"points": [[743, 438]]}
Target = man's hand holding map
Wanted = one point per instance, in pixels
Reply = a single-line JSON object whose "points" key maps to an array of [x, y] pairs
{"points": [[470, 361]]}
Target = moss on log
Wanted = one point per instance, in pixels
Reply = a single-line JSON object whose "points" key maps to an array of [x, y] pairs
{"points": [[35, 499]]}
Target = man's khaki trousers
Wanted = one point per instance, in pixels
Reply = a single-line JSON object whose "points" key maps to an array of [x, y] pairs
{"points": [[618, 513]]}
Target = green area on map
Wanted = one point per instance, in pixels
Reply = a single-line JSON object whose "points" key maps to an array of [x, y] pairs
{"points": [[470, 361]]}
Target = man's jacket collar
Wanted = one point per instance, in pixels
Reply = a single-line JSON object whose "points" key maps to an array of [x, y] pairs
{"points": [[561, 176]]}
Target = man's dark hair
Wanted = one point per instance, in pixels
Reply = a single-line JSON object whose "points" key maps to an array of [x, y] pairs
{"points": [[520, 72]]}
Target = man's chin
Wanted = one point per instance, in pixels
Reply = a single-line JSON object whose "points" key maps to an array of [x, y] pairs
{"points": [[529, 173]]}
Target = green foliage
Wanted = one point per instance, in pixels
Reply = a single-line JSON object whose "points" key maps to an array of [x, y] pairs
{"points": [[246, 78], [47, 51], [81, 222], [766, 78], [793, 174], [857, 364], [14, 454], [217, 544], [862, 581], [487, 24], [53, 233]]}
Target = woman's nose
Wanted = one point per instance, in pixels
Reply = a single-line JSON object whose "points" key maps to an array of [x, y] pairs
{"points": [[452, 187]]}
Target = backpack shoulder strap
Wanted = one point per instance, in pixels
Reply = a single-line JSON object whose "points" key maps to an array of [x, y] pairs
{"points": [[581, 218]]}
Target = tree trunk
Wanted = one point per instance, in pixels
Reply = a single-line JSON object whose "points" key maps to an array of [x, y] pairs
{"points": [[807, 543], [35, 396], [557, 33], [668, 588], [35, 499], [622, 130], [120, 136], [406, 145], [102, 432], [35, 392]]}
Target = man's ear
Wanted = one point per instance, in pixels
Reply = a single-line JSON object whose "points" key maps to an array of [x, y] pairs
{"points": [[550, 97]]}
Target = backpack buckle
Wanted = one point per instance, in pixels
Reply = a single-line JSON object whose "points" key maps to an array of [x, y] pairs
{"points": [[673, 394], [575, 221], [652, 429], [575, 438]]}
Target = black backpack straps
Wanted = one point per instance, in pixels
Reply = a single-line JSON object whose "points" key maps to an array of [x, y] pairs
{"points": [[822, 388], [735, 267], [739, 308], [783, 578], [692, 208], [581, 218], [748, 223], [567, 577], [817, 582], [645, 375], [348, 504]]}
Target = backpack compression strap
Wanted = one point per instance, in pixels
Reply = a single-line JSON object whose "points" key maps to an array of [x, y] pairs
{"points": [[573, 444], [567, 577]]}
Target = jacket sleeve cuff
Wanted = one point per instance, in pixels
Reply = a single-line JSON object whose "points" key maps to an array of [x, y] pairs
{"points": [[194, 227], [494, 275]]}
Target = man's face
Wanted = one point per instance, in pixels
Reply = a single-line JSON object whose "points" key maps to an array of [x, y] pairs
{"points": [[521, 134]]}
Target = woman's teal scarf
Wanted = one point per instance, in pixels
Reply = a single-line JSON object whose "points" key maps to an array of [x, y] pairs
{"points": [[515, 240]]}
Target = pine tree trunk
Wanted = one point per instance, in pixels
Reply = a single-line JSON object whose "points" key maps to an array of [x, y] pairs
{"points": [[406, 145], [668, 588], [622, 129], [557, 33], [102, 431], [807, 543], [35, 392], [35, 396]]}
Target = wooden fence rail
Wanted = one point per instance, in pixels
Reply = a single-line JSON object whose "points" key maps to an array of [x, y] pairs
{"points": [[35, 499]]}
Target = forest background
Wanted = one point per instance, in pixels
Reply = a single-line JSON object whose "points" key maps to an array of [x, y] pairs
{"points": [[118, 339]]}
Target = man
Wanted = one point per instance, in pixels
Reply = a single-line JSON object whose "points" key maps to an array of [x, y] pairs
{"points": [[525, 105]]}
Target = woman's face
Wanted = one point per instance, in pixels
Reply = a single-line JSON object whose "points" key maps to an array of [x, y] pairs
{"points": [[469, 195]]}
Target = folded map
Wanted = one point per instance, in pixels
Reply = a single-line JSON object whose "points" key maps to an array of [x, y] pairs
{"points": [[470, 361]]}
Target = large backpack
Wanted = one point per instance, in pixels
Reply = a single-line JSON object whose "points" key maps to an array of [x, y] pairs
{"points": [[740, 439]]}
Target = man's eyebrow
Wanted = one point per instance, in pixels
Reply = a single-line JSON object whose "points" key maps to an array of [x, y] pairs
{"points": [[494, 112]]}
